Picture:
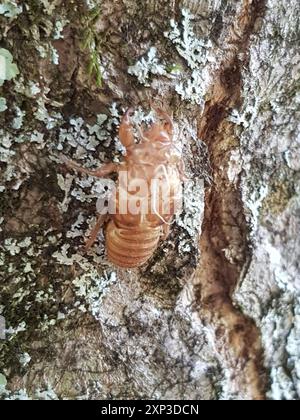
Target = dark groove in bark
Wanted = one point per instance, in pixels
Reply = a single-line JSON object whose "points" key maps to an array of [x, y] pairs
{"points": [[237, 337]]}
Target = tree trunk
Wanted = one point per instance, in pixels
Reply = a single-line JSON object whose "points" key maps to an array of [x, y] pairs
{"points": [[215, 314]]}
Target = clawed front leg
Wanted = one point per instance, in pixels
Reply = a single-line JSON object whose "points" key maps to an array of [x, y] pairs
{"points": [[166, 232], [105, 170], [102, 219], [182, 172], [126, 130], [169, 126]]}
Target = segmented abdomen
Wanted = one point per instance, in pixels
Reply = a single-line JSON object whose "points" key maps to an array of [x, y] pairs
{"points": [[132, 246]]}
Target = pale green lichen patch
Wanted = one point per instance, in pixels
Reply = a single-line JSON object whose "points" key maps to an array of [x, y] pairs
{"points": [[47, 394], [80, 141], [18, 120], [58, 29], [8, 69], [91, 4], [49, 6], [3, 381], [198, 55], [10, 9], [9, 149], [32, 279], [191, 77], [196, 52], [3, 105], [147, 66], [92, 289]]}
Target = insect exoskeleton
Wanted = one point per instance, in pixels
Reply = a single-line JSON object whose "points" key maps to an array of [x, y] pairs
{"points": [[131, 247], [148, 192]]}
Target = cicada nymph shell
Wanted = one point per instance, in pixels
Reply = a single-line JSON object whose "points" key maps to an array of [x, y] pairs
{"points": [[148, 192]]}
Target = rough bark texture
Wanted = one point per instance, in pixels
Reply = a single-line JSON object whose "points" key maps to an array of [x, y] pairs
{"points": [[216, 312]]}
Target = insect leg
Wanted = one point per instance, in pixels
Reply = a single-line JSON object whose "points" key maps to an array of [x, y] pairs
{"points": [[166, 231], [126, 130], [105, 170], [95, 231], [181, 170], [169, 123]]}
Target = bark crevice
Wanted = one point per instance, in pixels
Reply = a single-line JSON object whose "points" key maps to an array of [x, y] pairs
{"points": [[224, 243]]}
